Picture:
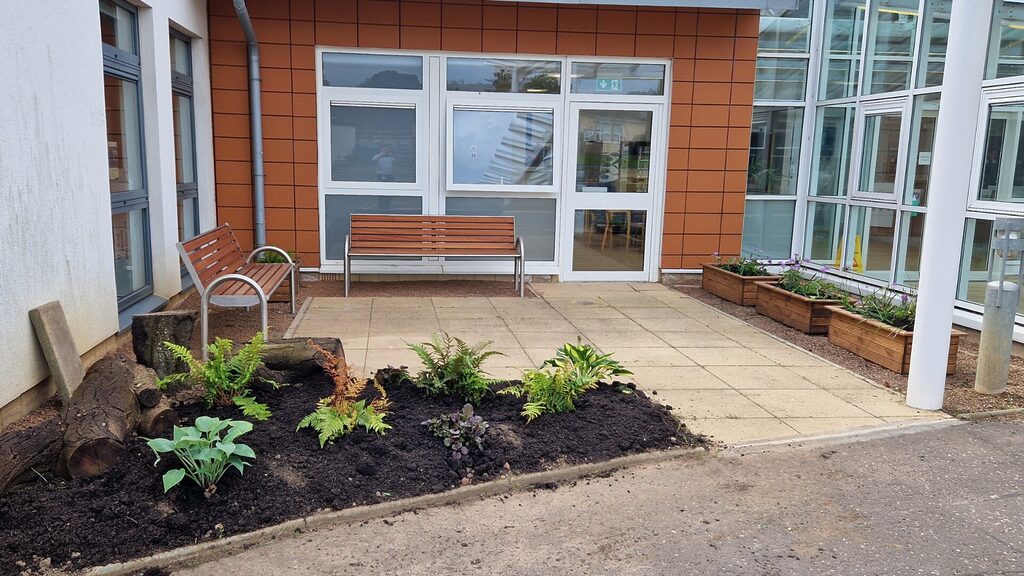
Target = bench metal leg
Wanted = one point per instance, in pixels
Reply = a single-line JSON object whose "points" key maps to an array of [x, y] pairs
{"points": [[348, 263], [294, 285], [204, 308], [521, 269]]}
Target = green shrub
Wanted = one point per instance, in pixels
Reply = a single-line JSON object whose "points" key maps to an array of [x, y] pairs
{"points": [[886, 306], [814, 287], [460, 431], [225, 377], [587, 360], [452, 367], [203, 453], [340, 413], [271, 257], [741, 266]]}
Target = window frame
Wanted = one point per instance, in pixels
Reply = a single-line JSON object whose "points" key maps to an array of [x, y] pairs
{"points": [[879, 108], [182, 86], [991, 96]]}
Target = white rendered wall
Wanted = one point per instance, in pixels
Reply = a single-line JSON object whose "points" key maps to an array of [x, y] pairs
{"points": [[55, 217]]}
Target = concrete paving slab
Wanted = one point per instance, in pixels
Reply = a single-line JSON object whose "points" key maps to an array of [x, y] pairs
{"points": [[878, 402], [693, 339], [760, 378], [612, 341], [832, 377], [804, 404], [658, 356], [606, 325], [733, 430], [786, 356], [711, 404], [737, 356], [656, 378], [826, 425]]}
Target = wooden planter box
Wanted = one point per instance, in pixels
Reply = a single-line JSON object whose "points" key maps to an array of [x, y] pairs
{"points": [[808, 315], [880, 343], [738, 289]]}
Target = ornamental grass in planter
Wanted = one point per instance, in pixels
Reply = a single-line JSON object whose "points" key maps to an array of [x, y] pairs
{"points": [[797, 301], [880, 328], [734, 279]]}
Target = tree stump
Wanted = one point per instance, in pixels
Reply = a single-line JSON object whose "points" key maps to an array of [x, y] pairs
{"points": [[295, 358], [144, 384], [26, 449], [157, 421], [150, 331]]}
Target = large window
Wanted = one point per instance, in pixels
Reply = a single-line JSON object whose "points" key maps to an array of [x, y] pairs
{"points": [[614, 151], [774, 163], [869, 241], [892, 39], [833, 145], [934, 38], [372, 143], [1006, 44], [501, 148], [1002, 160], [844, 29], [184, 136], [976, 262], [922, 140], [880, 153]]}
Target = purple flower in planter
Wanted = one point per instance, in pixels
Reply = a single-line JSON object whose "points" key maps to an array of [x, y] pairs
{"points": [[846, 268], [904, 299]]}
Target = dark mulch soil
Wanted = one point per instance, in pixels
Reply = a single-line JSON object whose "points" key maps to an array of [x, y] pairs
{"points": [[124, 514]]}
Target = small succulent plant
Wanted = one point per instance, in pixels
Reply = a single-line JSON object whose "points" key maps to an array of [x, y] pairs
{"points": [[460, 431]]}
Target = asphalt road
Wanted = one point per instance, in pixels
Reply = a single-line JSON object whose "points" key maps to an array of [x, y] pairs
{"points": [[942, 501]]}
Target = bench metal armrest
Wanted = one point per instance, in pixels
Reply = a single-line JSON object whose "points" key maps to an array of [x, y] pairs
{"points": [[263, 249], [204, 307]]}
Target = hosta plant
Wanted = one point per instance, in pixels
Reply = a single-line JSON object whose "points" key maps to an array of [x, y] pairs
{"points": [[341, 412], [587, 360], [452, 367], [460, 431], [205, 454], [225, 378]]}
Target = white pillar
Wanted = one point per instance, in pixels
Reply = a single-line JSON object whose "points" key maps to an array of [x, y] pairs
{"points": [[947, 200]]}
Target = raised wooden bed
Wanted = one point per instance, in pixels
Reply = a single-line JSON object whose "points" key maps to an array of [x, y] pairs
{"points": [[808, 315], [737, 289], [880, 343]]}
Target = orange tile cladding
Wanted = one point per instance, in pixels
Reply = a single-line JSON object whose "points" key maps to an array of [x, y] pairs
{"points": [[713, 53]]}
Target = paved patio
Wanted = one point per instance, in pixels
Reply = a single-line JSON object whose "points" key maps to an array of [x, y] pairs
{"points": [[722, 376]]}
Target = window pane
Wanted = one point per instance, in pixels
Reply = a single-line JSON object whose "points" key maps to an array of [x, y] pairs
{"points": [[881, 149], [502, 147], [922, 138], [188, 218], [181, 56], [1002, 171], [768, 229], [373, 143], [130, 262], [786, 30], [824, 233], [844, 27], [338, 210], [613, 151], [1006, 42], [908, 267], [124, 139], [373, 71], [780, 79], [774, 151], [117, 26], [935, 34], [892, 45], [609, 240], [486, 75], [184, 140], [618, 78], [832, 143], [976, 260], [869, 242], [535, 220]]}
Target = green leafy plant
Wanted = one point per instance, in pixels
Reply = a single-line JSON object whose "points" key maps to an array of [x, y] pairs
{"points": [[204, 454], [272, 257], [460, 431], [741, 266], [559, 383], [814, 287], [341, 412], [225, 377], [453, 367], [886, 306]]}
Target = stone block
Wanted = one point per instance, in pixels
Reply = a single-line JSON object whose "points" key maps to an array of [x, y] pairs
{"points": [[54, 335]]}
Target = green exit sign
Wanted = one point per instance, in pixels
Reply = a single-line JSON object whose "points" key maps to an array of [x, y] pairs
{"points": [[609, 84]]}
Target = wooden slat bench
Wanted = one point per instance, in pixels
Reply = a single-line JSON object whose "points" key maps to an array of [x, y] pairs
{"points": [[431, 235], [225, 277]]}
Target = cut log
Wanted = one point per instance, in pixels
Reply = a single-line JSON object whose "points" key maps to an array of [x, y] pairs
{"points": [[150, 331], [101, 413], [144, 385], [25, 449], [158, 420], [296, 358]]}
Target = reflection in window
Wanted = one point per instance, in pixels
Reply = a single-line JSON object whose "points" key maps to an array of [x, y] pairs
{"points": [[502, 147], [373, 71], [188, 218], [786, 29], [768, 229], [881, 150], [774, 151], [908, 266], [922, 139], [1006, 44], [494, 75], [832, 143], [844, 28], [535, 220], [124, 137], [609, 240], [869, 241], [373, 144], [780, 79], [613, 151], [824, 233], [1002, 167], [935, 37], [117, 26], [618, 78], [891, 53], [184, 140], [131, 270], [338, 211], [977, 259]]}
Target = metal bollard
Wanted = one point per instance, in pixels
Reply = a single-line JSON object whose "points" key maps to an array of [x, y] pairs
{"points": [[996, 337]]}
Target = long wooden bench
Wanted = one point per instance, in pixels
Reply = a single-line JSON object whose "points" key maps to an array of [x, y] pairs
{"points": [[374, 235], [225, 277]]}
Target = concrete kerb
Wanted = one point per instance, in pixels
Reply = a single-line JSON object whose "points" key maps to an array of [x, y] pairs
{"points": [[990, 414], [298, 318], [206, 551], [844, 437]]}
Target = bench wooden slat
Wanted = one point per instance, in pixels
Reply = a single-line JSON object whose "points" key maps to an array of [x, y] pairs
{"points": [[427, 218], [421, 225]]}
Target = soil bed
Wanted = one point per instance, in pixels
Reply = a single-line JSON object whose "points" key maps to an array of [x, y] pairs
{"points": [[124, 514]]}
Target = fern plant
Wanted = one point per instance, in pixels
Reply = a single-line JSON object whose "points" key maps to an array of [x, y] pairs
{"points": [[225, 377], [452, 367], [341, 412]]}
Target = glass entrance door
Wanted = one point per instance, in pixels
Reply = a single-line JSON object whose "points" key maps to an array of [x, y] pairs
{"points": [[611, 223]]}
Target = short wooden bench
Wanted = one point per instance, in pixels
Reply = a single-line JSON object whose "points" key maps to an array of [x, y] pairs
{"points": [[225, 277], [374, 235]]}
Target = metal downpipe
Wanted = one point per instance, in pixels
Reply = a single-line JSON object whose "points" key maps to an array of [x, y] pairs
{"points": [[259, 213]]}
